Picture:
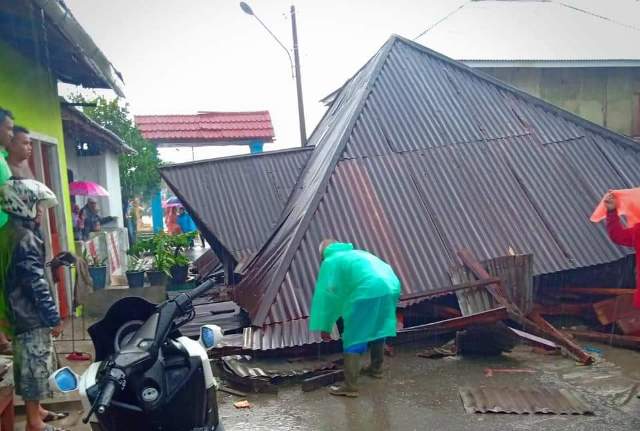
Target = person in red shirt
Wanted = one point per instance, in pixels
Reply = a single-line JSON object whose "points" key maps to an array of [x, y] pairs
{"points": [[625, 236]]}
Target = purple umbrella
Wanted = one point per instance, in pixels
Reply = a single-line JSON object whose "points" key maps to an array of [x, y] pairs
{"points": [[172, 202]]}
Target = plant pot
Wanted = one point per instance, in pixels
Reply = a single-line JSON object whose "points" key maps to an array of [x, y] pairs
{"points": [[179, 274], [98, 276], [157, 278], [135, 279]]}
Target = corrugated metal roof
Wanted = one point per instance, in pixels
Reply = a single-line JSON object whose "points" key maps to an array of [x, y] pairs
{"points": [[236, 201], [77, 125], [207, 127], [537, 30], [420, 156], [523, 401]]}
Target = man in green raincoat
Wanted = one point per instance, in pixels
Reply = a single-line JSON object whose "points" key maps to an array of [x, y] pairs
{"points": [[364, 291]]}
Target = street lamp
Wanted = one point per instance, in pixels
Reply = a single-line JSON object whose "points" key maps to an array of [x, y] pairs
{"points": [[295, 63]]}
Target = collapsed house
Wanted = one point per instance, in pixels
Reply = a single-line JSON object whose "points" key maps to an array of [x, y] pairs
{"points": [[417, 157], [236, 201]]}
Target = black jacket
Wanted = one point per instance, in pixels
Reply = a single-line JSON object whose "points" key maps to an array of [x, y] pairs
{"points": [[30, 302]]}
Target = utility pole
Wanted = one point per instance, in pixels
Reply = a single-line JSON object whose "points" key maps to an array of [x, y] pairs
{"points": [[296, 57]]}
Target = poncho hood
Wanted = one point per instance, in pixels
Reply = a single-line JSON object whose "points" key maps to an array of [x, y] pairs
{"points": [[337, 247]]}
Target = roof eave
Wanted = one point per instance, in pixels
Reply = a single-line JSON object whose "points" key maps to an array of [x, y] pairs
{"points": [[550, 64], [70, 114], [61, 17]]}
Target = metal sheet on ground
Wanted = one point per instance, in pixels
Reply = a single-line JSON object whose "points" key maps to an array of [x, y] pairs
{"points": [[523, 401]]}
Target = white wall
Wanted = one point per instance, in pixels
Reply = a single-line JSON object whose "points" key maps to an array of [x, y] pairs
{"points": [[102, 169]]}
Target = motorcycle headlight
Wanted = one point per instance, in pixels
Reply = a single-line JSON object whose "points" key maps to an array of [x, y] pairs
{"points": [[210, 336], [64, 380]]}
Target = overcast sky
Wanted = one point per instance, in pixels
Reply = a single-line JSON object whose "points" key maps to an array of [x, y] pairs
{"points": [[180, 57]]}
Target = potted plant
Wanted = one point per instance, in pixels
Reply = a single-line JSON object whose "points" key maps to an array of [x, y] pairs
{"points": [[159, 249], [180, 267], [135, 271], [97, 269]]}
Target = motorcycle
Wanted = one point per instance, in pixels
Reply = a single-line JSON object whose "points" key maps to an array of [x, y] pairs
{"points": [[146, 375]]}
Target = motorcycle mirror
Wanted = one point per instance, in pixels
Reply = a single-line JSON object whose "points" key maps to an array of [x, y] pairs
{"points": [[64, 380], [210, 336]]}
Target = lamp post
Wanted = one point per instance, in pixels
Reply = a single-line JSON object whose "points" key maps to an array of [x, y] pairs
{"points": [[295, 63]]}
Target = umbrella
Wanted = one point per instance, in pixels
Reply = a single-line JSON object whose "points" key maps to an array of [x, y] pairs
{"points": [[86, 188], [172, 202]]}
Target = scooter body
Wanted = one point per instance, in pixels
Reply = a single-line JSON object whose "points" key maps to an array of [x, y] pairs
{"points": [[147, 376]]}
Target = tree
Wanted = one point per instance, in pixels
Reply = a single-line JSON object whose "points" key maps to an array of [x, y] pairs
{"points": [[139, 175]]}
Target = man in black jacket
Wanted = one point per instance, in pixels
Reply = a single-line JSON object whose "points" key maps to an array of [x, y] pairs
{"points": [[32, 310]]}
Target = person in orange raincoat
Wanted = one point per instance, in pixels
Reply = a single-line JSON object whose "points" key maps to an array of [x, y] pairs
{"points": [[171, 219], [625, 236]]}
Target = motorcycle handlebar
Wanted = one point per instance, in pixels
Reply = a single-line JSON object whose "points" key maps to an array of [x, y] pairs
{"points": [[198, 291], [104, 400]]}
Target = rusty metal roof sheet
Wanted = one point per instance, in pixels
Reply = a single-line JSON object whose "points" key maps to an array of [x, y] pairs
{"points": [[236, 201], [523, 401], [419, 156]]}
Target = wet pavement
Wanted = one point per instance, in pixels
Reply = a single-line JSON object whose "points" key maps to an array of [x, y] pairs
{"points": [[422, 394]]}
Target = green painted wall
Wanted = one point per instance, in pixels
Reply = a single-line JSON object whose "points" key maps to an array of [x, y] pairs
{"points": [[30, 92], [606, 96]]}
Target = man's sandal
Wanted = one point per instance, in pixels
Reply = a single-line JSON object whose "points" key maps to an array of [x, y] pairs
{"points": [[55, 416]]}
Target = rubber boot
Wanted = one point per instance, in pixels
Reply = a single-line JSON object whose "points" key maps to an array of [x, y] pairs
{"points": [[351, 371], [377, 358]]}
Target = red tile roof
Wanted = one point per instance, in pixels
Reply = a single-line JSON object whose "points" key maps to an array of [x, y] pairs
{"points": [[222, 127]]}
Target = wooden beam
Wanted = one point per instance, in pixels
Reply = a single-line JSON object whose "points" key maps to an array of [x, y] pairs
{"points": [[561, 339], [627, 341], [453, 288], [457, 323], [534, 322], [595, 290], [564, 309]]}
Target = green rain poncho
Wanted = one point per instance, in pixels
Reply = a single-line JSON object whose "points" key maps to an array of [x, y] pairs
{"points": [[360, 288]]}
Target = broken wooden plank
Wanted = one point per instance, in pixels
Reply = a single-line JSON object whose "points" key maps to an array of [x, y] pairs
{"points": [[627, 341], [325, 379], [534, 321], [595, 290], [458, 323], [611, 310], [575, 350], [478, 270]]}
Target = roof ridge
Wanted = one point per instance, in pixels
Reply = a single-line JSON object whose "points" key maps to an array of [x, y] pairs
{"points": [[299, 229]]}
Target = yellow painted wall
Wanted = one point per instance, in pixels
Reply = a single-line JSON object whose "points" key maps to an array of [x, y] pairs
{"points": [[30, 92]]}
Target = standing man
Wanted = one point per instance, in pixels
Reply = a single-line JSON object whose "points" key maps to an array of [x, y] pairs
{"points": [[6, 134], [33, 313], [364, 291], [92, 222], [625, 236], [20, 149]]}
